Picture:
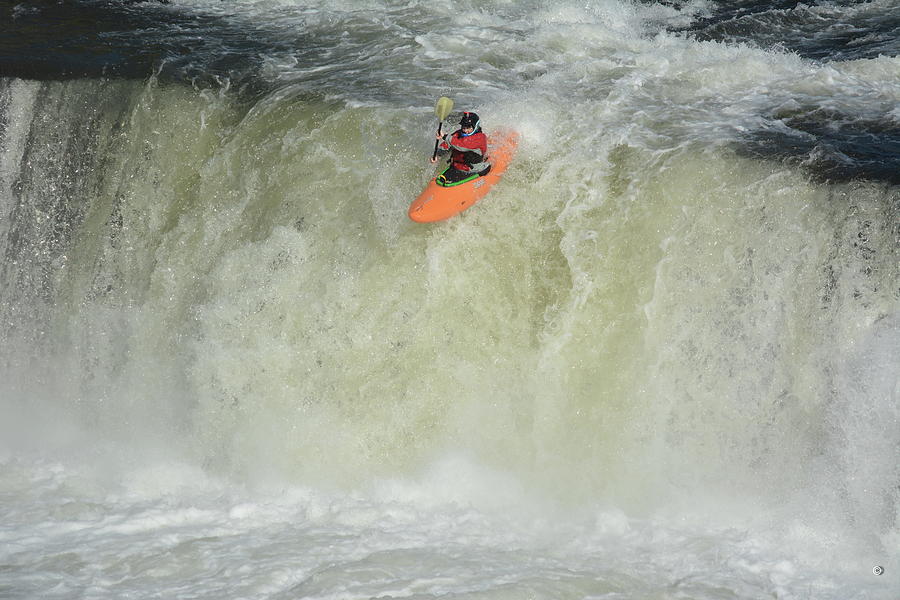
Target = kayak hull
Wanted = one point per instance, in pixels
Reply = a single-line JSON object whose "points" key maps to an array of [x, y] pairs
{"points": [[437, 203]]}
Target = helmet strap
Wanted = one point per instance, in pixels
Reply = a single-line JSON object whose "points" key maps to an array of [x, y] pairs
{"points": [[474, 129]]}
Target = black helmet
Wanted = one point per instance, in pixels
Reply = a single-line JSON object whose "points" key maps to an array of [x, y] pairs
{"points": [[470, 119]]}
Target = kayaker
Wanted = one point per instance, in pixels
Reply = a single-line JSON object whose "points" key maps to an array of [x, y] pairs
{"points": [[468, 151]]}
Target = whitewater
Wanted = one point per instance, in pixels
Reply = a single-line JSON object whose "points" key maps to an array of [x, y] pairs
{"points": [[661, 360]]}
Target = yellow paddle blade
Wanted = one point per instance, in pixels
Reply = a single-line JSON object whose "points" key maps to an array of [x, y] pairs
{"points": [[443, 107]]}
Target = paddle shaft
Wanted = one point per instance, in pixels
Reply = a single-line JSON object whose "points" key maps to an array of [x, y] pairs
{"points": [[434, 156], [442, 110]]}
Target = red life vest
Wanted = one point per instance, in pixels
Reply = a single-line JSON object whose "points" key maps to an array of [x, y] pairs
{"points": [[467, 153]]}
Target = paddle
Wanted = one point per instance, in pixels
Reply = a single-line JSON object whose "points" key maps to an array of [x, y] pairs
{"points": [[442, 110]]}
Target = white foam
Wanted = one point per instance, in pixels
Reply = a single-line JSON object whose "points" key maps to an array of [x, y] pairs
{"points": [[635, 370]]}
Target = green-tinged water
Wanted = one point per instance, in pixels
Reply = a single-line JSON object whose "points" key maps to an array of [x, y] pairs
{"points": [[247, 272]]}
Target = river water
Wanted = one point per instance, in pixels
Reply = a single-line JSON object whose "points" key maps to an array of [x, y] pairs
{"points": [[659, 361]]}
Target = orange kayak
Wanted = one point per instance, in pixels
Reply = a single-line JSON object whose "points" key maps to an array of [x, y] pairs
{"points": [[437, 203]]}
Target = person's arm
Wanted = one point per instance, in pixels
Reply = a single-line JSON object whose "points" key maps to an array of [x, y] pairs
{"points": [[445, 141], [443, 144]]}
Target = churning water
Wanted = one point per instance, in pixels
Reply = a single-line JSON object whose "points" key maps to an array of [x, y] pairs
{"points": [[660, 360]]}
